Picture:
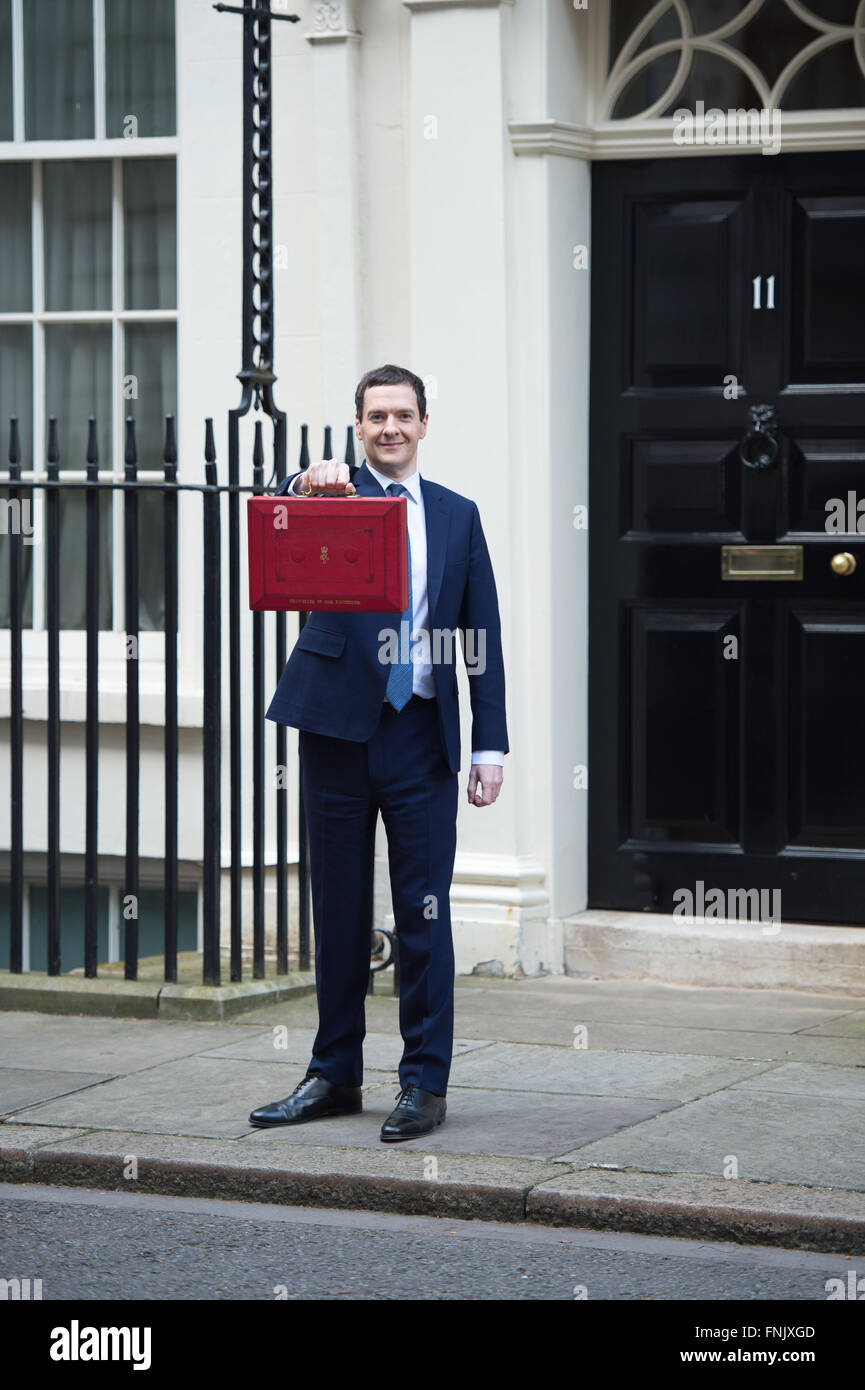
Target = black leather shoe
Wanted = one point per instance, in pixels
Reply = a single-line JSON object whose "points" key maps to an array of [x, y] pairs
{"points": [[311, 1099], [417, 1112]]}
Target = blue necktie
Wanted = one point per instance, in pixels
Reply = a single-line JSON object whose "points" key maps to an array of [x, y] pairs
{"points": [[399, 682]]}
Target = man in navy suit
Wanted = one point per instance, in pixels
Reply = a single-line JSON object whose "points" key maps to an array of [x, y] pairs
{"points": [[379, 732]]}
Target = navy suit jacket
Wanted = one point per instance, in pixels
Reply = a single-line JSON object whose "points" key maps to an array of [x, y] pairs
{"points": [[334, 682]]}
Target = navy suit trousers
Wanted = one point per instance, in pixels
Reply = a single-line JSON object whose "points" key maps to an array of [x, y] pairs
{"points": [[401, 772]]}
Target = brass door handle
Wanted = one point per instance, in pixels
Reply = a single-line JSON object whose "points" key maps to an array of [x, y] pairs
{"points": [[843, 562]]}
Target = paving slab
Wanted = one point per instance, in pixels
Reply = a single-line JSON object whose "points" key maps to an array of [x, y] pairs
{"points": [[381, 1051], [482, 1122], [582, 1071], [382, 1013], [549, 1026], [799, 1079], [393, 1178], [111, 1046], [848, 1026], [839, 1048], [773, 1011], [807, 1141], [28, 1086], [763, 1213], [196, 1096]]}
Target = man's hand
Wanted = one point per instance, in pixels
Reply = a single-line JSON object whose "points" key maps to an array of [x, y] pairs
{"points": [[327, 476], [490, 777]]}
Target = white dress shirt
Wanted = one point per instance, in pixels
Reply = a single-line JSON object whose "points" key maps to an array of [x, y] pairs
{"points": [[422, 676]]}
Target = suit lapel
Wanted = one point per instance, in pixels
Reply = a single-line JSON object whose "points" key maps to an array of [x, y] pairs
{"points": [[437, 526], [366, 484]]}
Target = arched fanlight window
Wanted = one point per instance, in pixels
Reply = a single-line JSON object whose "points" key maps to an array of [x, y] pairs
{"points": [[774, 54]]}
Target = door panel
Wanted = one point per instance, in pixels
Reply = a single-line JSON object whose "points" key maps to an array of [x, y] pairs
{"points": [[827, 288], [687, 337], [683, 726], [684, 485], [827, 731], [727, 736], [821, 470]]}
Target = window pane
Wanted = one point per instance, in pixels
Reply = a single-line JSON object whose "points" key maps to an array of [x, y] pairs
{"points": [[139, 67], [73, 558], [151, 360], [150, 237], [58, 69], [6, 131], [151, 357], [77, 211], [151, 922], [831, 79], [71, 926], [16, 388], [78, 385], [716, 82], [15, 259], [16, 398]]}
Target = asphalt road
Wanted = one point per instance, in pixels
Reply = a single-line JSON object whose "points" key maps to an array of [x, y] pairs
{"points": [[86, 1244]]}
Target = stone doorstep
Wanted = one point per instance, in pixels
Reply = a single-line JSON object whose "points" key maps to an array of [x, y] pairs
{"points": [[106, 996], [693, 1207], [715, 953]]}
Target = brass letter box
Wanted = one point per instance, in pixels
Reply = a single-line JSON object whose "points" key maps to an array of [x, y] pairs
{"points": [[761, 562]]}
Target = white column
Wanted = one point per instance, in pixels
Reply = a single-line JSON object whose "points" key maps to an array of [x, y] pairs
{"points": [[335, 40], [552, 201], [462, 344]]}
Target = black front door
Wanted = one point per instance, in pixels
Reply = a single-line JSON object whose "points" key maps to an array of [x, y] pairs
{"points": [[727, 544]]}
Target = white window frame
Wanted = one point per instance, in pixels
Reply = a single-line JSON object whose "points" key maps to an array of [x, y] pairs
{"points": [[112, 643]]}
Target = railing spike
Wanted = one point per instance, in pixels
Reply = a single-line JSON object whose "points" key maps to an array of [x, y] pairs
{"points": [[169, 452], [92, 442], [209, 445], [130, 455], [14, 441]]}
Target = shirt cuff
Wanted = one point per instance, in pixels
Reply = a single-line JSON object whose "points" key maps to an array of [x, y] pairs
{"points": [[496, 759]]}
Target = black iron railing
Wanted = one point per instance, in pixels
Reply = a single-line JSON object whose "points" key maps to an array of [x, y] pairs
{"points": [[55, 485]]}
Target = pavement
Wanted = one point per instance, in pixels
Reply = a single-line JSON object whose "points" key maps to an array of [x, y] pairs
{"points": [[627, 1105]]}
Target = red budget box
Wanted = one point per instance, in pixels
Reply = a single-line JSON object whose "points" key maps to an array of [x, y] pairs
{"points": [[343, 554]]}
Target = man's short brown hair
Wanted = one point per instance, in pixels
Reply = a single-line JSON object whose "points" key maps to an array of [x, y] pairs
{"points": [[389, 375]]}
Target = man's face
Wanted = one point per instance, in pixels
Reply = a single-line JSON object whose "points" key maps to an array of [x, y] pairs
{"points": [[391, 429]]}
